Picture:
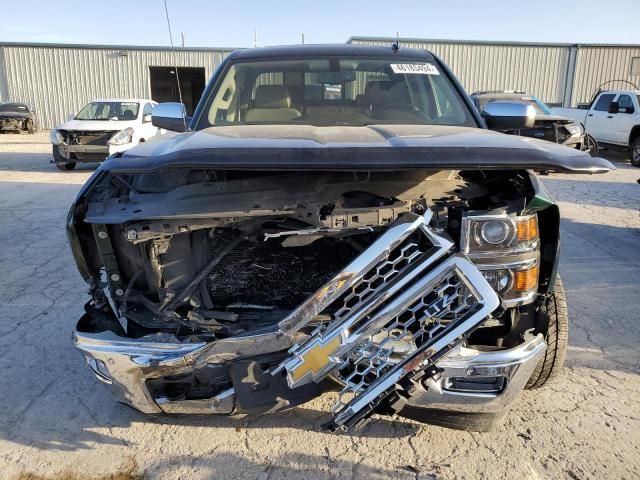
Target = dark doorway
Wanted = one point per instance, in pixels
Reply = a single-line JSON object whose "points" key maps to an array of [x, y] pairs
{"points": [[164, 85]]}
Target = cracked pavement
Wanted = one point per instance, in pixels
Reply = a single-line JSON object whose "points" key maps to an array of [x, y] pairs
{"points": [[57, 420]]}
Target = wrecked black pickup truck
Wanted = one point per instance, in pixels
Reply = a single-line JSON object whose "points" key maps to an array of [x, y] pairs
{"points": [[335, 219]]}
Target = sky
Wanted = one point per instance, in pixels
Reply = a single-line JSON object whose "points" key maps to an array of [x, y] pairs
{"points": [[278, 22]]}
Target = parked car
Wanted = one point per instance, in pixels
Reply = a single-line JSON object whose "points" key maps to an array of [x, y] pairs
{"points": [[17, 117], [335, 217], [101, 128], [613, 118], [547, 126]]}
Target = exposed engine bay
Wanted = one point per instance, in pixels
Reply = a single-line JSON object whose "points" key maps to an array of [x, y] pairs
{"points": [[302, 280]]}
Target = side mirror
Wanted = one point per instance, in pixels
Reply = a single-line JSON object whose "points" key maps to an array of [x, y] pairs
{"points": [[504, 115], [614, 107], [170, 116], [146, 118]]}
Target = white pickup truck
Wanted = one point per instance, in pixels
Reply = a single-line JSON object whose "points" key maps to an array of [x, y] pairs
{"points": [[613, 119]]}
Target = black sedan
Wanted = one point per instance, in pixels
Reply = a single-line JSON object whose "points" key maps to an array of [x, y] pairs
{"points": [[17, 117]]}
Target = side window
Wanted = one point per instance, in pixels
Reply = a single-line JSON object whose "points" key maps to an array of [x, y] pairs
{"points": [[602, 105], [148, 108], [625, 103]]}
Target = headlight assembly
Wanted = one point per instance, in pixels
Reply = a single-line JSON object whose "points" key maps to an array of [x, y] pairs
{"points": [[506, 250], [498, 235], [56, 137], [122, 137], [574, 128]]}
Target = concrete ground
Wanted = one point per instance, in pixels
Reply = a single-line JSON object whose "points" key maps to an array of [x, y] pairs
{"points": [[57, 421]]}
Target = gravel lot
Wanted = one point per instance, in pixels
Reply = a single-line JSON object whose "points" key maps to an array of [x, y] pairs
{"points": [[57, 421]]}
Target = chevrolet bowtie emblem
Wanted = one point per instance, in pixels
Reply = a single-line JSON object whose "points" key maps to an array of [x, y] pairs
{"points": [[314, 359]]}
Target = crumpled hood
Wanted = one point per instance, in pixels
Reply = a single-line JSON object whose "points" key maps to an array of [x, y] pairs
{"points": [[96, 125], [373, 147]]}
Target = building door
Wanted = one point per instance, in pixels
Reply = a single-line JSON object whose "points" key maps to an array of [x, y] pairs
{"points": [[164, 85]]}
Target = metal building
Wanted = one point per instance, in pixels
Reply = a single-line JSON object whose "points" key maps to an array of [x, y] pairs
{"points": [[57, 80], [558, 73]]}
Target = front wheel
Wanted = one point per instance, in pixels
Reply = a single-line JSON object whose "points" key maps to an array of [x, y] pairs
{"points": [[554, 320], [30, 126], [635, 152], [592, 145], [61, 162]]}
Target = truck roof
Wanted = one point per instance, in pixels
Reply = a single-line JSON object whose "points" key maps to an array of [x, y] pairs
{"points": [[328, 50], [632, 92]]}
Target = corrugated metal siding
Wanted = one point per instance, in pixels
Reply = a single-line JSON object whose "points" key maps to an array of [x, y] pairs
{"points": [[536, 69], [596, 65], [57, 81]]}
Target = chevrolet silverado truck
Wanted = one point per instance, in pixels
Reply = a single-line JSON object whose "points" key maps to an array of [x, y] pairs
{"points": [[334, 220], [613, 118]]}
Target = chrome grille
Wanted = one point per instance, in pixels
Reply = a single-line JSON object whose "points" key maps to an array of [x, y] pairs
{"points": [[376, 279], [393, 311], [420, 322]]}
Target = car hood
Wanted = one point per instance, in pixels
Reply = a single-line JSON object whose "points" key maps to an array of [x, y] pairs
{"points": [[372, 147], [96, 125], [554, 118]]}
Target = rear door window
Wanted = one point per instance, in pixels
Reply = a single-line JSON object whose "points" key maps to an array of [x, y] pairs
{"points": [[625, 104]]}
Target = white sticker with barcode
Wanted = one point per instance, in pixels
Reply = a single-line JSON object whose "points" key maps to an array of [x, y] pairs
{"points": [[417, 68]]}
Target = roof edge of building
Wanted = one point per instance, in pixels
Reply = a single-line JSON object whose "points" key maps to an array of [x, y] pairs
{"points": [[91, 46], [488, 42]]}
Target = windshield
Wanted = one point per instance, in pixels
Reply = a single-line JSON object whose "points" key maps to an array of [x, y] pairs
{"points": [[335, 91], [109, 111], [13, 107], [539, 105]]}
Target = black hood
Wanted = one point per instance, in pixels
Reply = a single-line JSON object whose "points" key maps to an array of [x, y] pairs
{"points": [[372, 147]]}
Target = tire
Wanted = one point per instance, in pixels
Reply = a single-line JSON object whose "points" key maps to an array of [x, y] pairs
{"points": [[592, 146], [66, 166], [61, 162], [554, 320], [635, 152], [31, 126]]}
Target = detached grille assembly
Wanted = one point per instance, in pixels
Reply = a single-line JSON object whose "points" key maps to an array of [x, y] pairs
{"points": [[395, 310]]}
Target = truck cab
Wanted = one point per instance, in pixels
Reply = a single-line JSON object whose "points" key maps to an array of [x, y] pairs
{"points": [[613, 118]]}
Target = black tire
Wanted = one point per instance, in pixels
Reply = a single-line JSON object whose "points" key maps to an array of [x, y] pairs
{"points": [[592, 145], [66, 166], [31, 126], [635, 152], [554, 320], [61, 162]]}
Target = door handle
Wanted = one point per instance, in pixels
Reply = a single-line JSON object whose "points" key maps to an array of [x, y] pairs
{"points": [[609, 116], [590, 115]]}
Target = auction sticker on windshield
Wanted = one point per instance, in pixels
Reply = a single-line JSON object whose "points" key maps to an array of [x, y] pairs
{"points": [[419, 68]]}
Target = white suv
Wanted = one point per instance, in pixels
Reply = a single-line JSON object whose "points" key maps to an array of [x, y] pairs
{"points": [[101, 128]]}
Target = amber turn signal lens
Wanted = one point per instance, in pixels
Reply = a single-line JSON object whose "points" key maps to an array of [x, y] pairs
{"points": [[524, 280], [527, 229]]}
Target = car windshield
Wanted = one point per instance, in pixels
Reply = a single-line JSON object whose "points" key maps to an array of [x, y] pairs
{"points": [[13, 107], [335, 91], [539, 105], [109, 111]]}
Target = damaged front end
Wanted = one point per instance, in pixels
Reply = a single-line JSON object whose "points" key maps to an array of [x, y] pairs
{"points": [[219, 291]]}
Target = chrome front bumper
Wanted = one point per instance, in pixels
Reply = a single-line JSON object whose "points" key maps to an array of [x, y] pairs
{"points": [[476, 381], [471, 382]]}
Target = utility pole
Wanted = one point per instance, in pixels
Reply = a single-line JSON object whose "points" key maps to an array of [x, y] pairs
{"points": [[302, 38], [255, 38], [182, 34]]}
